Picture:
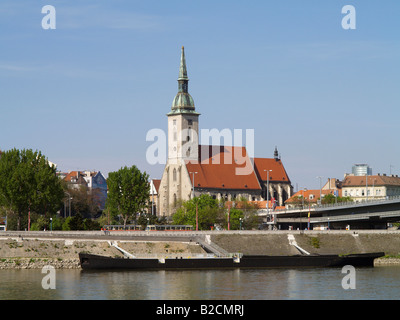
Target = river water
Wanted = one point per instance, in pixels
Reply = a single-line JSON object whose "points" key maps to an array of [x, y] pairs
{"points": [[370, 283]]}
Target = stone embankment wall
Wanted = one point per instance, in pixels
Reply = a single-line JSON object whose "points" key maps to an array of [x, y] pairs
{"points": [[31, 253], [277, 242], [328, 242], [60, 249]]}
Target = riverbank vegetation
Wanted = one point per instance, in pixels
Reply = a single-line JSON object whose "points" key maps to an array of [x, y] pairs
{"points": [[28, 184], [212, 213]]}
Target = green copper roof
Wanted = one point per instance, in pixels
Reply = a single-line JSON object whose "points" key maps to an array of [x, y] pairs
{"points": [[183, 101], [182, 67]]}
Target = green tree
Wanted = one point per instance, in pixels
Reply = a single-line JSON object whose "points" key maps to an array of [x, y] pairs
{"points": [[76, 222], [84, 201], [234, 217], [330, 198], [28, 184], [90, 224], [128, 192], [243, 214], [146, 219], [209, 210]]}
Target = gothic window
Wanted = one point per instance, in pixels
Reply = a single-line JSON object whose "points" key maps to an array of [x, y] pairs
{"points": [[190, 122], [174, 175], [189, 134], [174, 199]]}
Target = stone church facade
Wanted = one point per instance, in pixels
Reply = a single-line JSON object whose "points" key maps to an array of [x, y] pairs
{"points": [[193, 169]]}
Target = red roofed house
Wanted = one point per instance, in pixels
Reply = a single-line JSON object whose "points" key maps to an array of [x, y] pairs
{"points": [[94, 180], [220, 171], [154, 195]]}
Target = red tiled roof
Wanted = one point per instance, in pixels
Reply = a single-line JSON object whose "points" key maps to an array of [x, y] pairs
{"points": [[76, 175], [156, 183], [377, 180], [315, 193], [220, 167], [278, 172]]}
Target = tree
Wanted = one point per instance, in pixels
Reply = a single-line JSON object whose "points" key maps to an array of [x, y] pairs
{"points": [[28, 184], [146, 219], [128, 192], [84, 201], [330, 198], [209, 210], [243, 214], [234, 218]]}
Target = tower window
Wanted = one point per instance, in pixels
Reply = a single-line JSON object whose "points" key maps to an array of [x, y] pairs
{"points": [[190, 122], [174, 175]]}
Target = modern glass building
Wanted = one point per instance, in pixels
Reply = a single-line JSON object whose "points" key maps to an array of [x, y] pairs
{"points": [[361, 170]]}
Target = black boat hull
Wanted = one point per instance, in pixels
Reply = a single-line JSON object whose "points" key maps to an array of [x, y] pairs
{"points": [[96, 262]]}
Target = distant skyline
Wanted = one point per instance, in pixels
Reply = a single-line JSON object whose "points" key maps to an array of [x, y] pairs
{"points": [[87, 93]]}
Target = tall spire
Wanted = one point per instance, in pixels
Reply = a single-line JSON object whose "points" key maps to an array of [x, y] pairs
{"points": [[183, 102], [182, 67]]}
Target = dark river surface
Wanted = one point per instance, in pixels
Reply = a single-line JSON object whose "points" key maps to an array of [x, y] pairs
{"points": [[260, 284]]}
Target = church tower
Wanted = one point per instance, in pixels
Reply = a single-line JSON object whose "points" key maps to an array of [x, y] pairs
{"points": [[183, 121], [183, 145]]}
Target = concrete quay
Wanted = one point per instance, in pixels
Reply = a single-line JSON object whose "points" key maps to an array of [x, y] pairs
{"points": [[28, 249]]}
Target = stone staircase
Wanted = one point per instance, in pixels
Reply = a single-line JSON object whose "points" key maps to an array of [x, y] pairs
{"points": [[210, 247]]}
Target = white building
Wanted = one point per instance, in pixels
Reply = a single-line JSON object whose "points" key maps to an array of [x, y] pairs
{"points": [[371, 187]]}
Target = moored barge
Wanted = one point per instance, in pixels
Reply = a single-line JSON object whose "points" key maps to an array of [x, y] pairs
{"points": [[97, 262]]}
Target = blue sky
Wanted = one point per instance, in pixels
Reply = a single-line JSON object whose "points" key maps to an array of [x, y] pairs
{"points": [[86, 93]]}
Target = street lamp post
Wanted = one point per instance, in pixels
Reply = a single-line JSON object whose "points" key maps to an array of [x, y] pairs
{"points": [[268, 171], [320, 190], [302, 208], [197, 212], [152, 198], [193, 173], [197, 217]]}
